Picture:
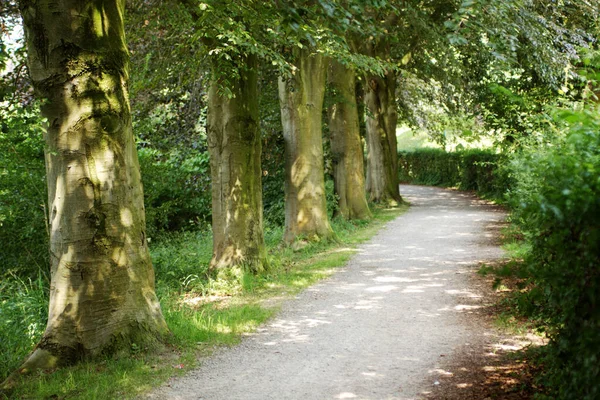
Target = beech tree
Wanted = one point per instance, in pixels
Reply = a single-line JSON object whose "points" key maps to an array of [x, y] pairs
{"points": [[381, 120], [233, 131], [233, 47], [316, 34], [346, 146], [382, 184], [102, 295], [409, 38], [301, 97]]}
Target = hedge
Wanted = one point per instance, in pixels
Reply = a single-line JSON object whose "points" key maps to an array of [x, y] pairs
{"points": [[479, 170]]}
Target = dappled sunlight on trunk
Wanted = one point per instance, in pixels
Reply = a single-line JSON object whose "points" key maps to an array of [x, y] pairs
{"points": [[233, 133], [102, 282], [301, 102]]}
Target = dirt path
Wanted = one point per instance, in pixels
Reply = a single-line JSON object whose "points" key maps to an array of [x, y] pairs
{"points": [[381, 327]]}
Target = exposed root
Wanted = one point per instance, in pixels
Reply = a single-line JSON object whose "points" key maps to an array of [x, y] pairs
{"points": [[40, 359]]}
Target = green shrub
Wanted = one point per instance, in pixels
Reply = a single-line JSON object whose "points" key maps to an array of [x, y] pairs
{"points": [[429, 167], [23, 193], [177, 192], [557, 204], [484, 171], [479, 170], [273, 180]]}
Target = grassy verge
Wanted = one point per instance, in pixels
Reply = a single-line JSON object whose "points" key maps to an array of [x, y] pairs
{"points": [[509, 278], [512, 313], [204, 314]]}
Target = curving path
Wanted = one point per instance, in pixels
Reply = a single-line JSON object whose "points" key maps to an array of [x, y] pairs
{"points": [[377, 328]]}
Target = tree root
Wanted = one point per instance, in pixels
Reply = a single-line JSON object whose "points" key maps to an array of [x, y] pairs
{"points": [[39, 359]]}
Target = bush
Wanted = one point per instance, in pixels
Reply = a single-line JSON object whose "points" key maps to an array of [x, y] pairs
{"points": [[181, 260], [23, 192], [273, 180], [485, 172], [177, 192], [557, 205], [479, 170], [429, 167]]}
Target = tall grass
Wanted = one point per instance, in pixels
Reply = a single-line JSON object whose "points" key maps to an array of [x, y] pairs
{"points": [[23, 316]]}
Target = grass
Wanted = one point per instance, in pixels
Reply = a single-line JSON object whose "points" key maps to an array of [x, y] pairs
{"points": [[23, 315], [511, 323], [510, 277], [517, 249], [204, 314]]}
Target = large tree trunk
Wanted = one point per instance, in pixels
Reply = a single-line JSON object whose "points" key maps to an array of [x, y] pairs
{"points": [[301, 100], [382, 157], [102, 295], [235, 148], [346, 146]]}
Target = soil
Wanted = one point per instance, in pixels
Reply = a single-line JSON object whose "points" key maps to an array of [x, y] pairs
{"points": [[407, 318], [496, 366]]}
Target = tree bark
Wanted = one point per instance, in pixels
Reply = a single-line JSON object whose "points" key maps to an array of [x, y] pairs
{"points": [[301, 101], [382, 158], [102, 295], [346, 145], [235, 153]]}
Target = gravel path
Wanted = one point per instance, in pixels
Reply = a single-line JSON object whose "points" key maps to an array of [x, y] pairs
{"points": [[379, 327]]}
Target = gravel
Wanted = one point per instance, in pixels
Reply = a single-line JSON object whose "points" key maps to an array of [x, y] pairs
{"points": [[379, 327]]}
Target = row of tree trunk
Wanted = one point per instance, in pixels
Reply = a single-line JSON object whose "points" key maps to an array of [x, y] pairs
{"points": [[102, 295], [234, 139]]}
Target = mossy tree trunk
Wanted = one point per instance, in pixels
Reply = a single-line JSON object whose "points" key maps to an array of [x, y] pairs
{"points": [[382, 159], [301, 101], [102, 295], [346, 145], [235, 152]]}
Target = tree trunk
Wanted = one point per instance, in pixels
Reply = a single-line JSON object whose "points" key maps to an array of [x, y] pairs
{"points": [[382, 157], [235, 149], [301, 100], [346, 146], [102, 295]]}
